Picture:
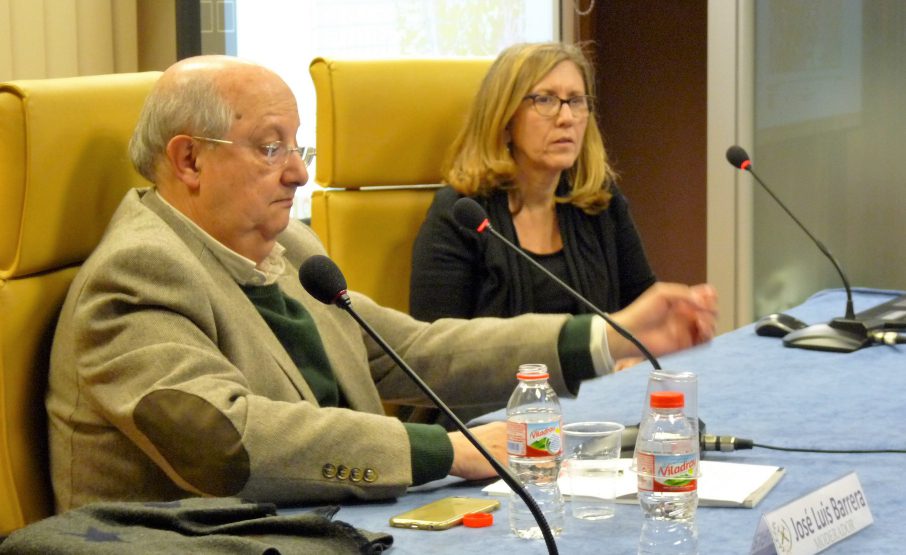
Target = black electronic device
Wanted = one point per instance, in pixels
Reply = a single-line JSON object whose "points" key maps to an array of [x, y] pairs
{"points": [[778, 324], [826, 337], [890, 315]]}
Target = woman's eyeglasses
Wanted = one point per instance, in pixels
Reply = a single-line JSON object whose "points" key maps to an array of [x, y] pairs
{"points": [[549, 105]]}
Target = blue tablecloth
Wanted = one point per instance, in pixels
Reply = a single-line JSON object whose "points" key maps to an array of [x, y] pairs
{"points": [[751, 387]]}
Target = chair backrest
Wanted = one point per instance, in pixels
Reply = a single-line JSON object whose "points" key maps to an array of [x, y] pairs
{"points": [[383, 130], [64, 168]]}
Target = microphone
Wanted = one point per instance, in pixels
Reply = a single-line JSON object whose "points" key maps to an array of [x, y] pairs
{"points": [[842, 335], [706, 442], [711, 442], [324, 281], [470, 214]]}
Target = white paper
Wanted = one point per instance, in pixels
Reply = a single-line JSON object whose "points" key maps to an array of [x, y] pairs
{"points": [[721, 483]]}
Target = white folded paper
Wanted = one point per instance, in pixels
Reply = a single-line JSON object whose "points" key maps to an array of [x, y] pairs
{"points": [[722, 484]]}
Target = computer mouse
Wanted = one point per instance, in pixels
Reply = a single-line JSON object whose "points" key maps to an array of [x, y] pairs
{"points": [[778, 324]]}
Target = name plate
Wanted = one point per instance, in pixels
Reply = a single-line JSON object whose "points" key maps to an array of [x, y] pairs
{"points": [[815, 522]]}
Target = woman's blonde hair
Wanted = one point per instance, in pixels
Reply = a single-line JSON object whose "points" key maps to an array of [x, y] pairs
{"points": [[479, 160]]}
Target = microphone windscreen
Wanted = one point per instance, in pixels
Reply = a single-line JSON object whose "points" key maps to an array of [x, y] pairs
{"points": [[322, 278], [469, 214], [737, 156]]}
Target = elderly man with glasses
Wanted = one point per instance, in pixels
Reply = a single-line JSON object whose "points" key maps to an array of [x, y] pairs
{"points": [[188, 359]]}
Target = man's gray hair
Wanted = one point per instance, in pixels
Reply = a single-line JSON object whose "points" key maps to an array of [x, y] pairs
{"points": [[194, 106]]}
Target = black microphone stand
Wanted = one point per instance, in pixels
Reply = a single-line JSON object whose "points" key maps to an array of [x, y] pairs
{"points": [[845, 334], [575, 294], [469, 214], [343, 301], [848, 322]]}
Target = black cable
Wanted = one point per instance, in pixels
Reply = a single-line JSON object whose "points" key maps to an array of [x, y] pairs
{"points": [[842, 451], [727, 444]]}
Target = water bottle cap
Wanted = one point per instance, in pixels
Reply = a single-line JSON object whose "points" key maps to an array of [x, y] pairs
{"points": [[532, 375], [477, 520], [532, 372], [667, 400]]}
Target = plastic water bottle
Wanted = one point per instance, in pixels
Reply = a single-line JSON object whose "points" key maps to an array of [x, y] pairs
{"points": [[667, 467], [535, 450]]}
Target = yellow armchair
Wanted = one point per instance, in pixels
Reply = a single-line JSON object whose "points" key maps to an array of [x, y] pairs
{"points": [[63, 169], [383, 128]]}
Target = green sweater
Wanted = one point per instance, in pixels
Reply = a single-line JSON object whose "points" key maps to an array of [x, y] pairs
{"points": [[430, 449]]}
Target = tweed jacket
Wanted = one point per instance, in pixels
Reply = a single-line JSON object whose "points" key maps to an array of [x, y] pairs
{"points": [[165, 381]]}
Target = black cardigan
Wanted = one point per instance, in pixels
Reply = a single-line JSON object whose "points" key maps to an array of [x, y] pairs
{"points": [[459, 273]]}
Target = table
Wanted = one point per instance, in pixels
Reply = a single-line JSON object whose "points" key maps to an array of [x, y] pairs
{"points": [[751, 387]]}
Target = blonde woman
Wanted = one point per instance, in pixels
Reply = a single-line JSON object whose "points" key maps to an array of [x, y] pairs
{"points": [[532, 155]]}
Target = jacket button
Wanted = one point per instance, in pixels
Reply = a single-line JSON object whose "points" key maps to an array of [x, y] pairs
{"points": [[329, 471], [370, 475], [355, 475], [342, 472]]}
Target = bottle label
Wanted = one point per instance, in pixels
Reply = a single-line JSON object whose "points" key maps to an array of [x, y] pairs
{"points": [[667, 473], [534, 439]]}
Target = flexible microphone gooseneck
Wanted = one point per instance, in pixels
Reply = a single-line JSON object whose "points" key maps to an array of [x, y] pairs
{"points": [[842, 335], [324, 281], [471, 215]]}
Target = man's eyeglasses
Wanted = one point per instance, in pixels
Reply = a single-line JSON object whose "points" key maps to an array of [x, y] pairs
{"points": [[276, 153], [549, 105]]}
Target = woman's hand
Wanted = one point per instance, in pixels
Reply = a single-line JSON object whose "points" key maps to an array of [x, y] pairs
{"points": [[667, 317]]}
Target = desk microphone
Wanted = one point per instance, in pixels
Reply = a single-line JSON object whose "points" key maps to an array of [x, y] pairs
{"points": [[471, 215], [842, 335], [324, 281], [706, 442]]}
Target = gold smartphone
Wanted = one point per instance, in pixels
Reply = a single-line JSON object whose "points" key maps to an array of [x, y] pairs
{"points": [[443, 513]]}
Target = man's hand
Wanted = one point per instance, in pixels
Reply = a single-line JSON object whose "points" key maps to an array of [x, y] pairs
{"points": [[468, 462], [665, 318]]}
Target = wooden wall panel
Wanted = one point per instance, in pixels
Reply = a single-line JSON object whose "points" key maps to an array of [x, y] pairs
{"points": [[651, 63]]}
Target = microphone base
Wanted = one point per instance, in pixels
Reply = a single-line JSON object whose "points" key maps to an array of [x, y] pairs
{"points": [[841, 335], [851, 325]]}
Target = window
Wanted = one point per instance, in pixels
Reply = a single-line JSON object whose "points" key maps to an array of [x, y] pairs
{"points": [[828, 136], [285, 35]]}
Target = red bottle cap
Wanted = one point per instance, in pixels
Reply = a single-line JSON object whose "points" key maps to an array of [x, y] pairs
{"points": [[667, 399], [532, 372], [532, 375], [478, 520]]}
